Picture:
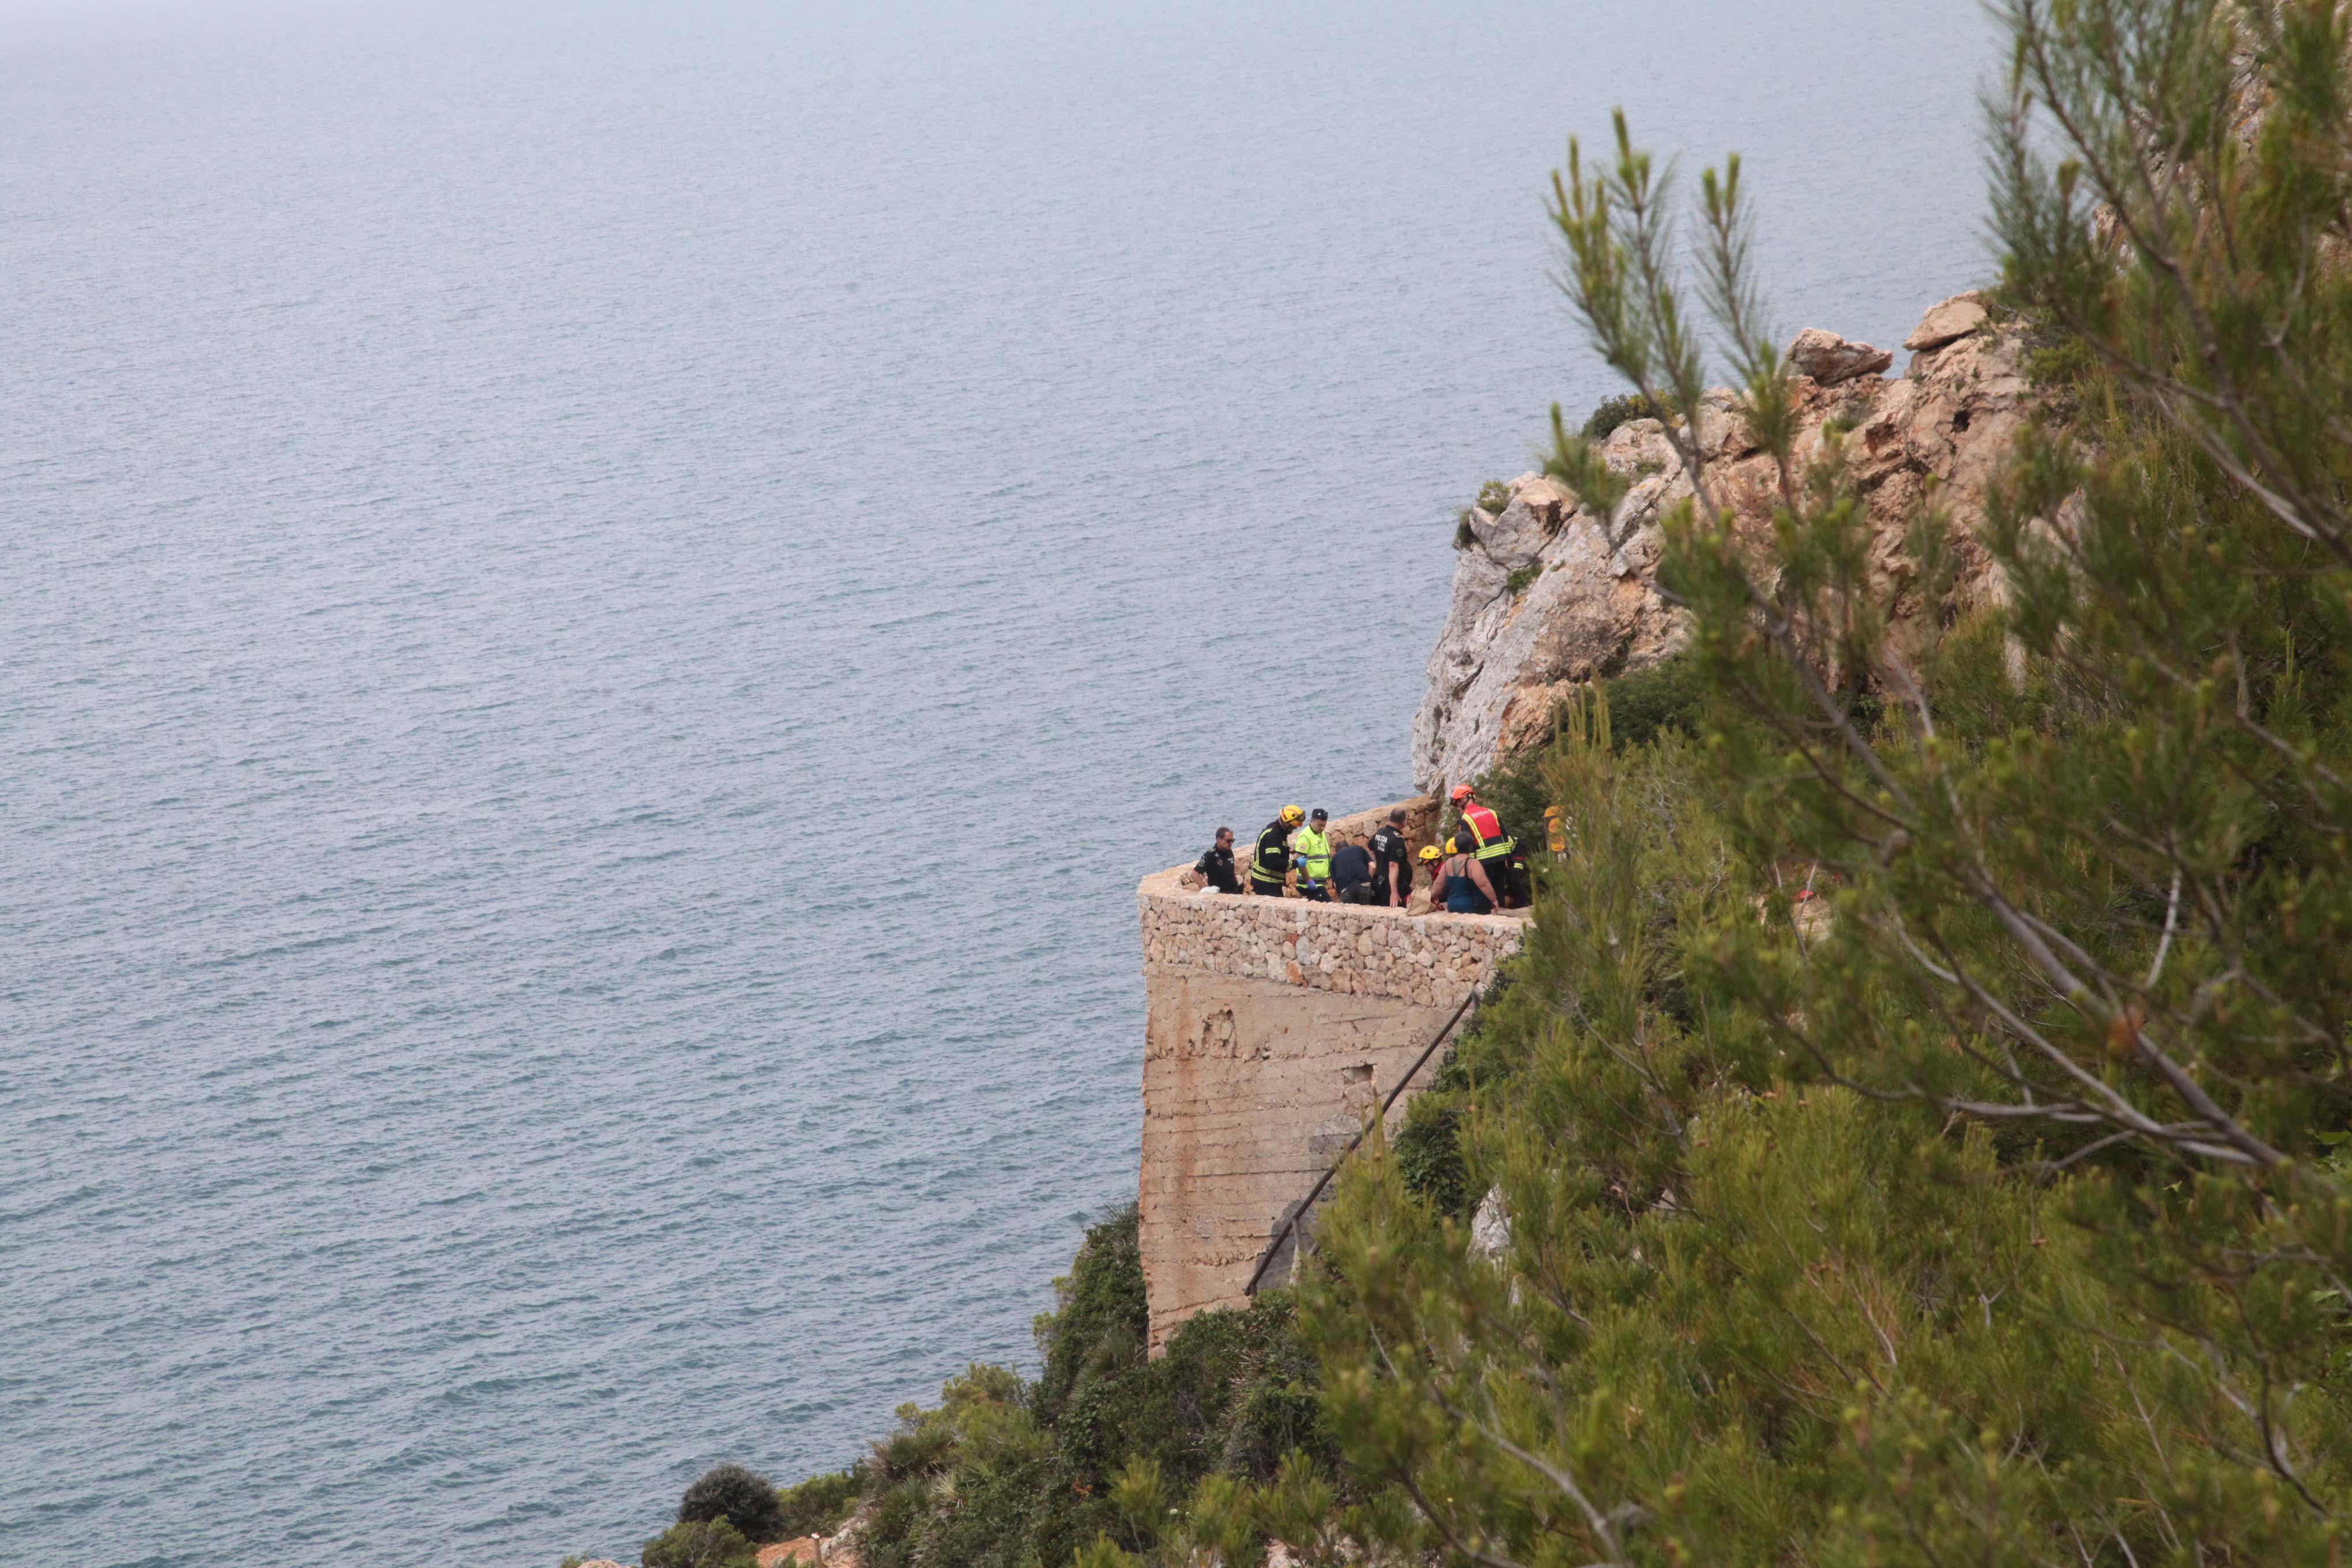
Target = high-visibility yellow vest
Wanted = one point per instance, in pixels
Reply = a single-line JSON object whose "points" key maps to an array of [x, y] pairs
{"points": [[1486, 829], [1271, 864], [1314, 851]]}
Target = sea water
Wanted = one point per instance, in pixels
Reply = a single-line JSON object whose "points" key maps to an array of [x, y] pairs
{"points": [[603, 604]]}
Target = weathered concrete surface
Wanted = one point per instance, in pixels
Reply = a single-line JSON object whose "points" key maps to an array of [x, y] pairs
{"points": [[1273, 1028]]}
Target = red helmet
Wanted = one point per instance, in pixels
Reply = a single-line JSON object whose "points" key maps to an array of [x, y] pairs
{"points": [[1461, 794]]}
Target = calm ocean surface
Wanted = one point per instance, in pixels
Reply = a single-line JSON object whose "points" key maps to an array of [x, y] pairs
{"points": [[603, 604]]}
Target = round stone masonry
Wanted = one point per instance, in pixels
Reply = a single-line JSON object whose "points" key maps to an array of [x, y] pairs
{"points": [[1354, 949]]}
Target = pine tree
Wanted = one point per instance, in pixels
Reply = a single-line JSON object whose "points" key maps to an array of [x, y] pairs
{"points": [[1998, 1215]]}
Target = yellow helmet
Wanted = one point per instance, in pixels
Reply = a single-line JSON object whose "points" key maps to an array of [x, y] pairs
{"points": [[1451, 849], [1293, 816], [1431, 852]]}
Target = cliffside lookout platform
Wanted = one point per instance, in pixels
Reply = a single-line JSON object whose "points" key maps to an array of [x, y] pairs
{"points": [[1274, 1028]]}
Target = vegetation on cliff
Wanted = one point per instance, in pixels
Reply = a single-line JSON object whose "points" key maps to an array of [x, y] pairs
{"points": [[1914, 1129], [1918, 1114], [1005, 1472], [1919, 1111]]}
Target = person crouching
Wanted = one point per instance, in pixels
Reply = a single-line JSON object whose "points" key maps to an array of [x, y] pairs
{"points": [[1461, 886], [1351, 871]]}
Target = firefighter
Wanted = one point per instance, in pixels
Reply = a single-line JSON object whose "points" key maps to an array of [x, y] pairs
{"points": [[1270, 865], [1497, 851]]}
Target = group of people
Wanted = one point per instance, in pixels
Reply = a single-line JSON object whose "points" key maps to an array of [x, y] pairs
{"points": [[1479, 869]]}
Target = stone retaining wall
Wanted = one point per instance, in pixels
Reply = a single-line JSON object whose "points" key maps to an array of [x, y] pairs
{"points": [[1430, 959], [1274, 1028]]}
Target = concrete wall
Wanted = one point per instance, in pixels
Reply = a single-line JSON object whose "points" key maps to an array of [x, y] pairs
{"points": [[1272, 1029]]}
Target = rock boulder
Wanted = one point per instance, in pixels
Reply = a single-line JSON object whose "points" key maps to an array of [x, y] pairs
{"points": [[1949, 323], [1829, 359]]}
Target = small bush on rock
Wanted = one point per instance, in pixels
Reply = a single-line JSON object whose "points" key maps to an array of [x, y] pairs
{"points": [[819, 1504], [1494, 496], [700, 1543], [1668, 697], [1616, 411], [744, 1498]]}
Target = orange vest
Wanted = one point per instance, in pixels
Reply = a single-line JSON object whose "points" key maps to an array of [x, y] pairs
{"points": [[1487, 829]]}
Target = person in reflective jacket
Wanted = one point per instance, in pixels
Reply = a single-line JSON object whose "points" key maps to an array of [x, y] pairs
{"points": [[1313, 853], [1270, 862], [1484, 835]]}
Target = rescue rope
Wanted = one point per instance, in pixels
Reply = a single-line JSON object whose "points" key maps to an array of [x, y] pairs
{"points": [[1291, 1225]]}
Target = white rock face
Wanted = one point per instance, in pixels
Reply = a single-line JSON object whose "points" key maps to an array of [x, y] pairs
{"points": [[1490, 1227], [1588, 603]]}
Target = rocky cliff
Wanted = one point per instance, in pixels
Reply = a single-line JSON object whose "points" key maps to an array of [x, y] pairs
{"points": [[1549, 594]]}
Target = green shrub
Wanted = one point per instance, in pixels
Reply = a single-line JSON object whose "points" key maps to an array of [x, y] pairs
{"points": [[1429, 1155], [1517, 582], [1670, 697], [819, 1504], [744, 1498], [700, 1543], [1245, 1389], [2066, 363], [1990, 1207], [1616, 411], [1464, 536], [1494, 496], [1099, 1323], [1002, 1474]]}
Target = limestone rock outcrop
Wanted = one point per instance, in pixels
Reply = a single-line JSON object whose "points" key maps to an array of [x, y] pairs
{"points": [[1949, 323], [1829, 359], [1490, 1227], [1548, 595]]}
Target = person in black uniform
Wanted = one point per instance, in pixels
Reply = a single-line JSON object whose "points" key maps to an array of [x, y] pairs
{"points": [[1391, 863], [1351, 873], [1215, 866], [1270, 863]]}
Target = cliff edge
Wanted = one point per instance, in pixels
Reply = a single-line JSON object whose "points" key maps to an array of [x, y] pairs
{"points": [[1549, 594]]}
